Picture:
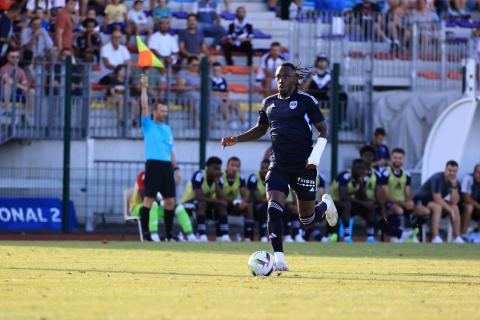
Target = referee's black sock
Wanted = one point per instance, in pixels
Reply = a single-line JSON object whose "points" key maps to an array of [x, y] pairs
{"points": [[275, 225], [317, 216], [144, 219], [168, 219]]}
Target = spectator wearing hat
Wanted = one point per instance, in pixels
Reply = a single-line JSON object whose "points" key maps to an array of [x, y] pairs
{"points": [[89, 42]]}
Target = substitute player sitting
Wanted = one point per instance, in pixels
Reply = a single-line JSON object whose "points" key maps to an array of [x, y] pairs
{"points": [[291, 114], [234, 186], [258, 198], [204, 195]]}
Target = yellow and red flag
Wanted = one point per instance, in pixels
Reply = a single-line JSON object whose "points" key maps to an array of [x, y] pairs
{"points": [[146, 58]]}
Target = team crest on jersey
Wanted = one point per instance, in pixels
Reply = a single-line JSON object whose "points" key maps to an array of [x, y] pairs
{"points": [[293, 104]]}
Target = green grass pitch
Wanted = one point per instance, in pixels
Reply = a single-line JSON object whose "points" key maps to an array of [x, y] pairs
{"points": [[122, 280]]}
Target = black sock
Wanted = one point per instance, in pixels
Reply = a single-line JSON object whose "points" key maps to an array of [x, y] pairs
{"points": [[317, 216], [201, 227], [248, 229], [144, 220], [223, 221], [275, 225], [168, 219]]}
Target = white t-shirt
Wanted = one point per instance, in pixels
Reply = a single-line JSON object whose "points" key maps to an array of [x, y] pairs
{"points": [[137, 17], [115, 57], [165, 45], [467, 183]]}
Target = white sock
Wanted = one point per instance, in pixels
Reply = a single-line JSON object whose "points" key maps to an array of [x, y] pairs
{"points": [[279, 257]]}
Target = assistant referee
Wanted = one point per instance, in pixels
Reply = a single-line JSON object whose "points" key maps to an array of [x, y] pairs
{"points": [[161, 170]]}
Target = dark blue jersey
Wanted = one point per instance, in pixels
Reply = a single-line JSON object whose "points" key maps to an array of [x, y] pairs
{"points": [[219, 84], [290, 127]]}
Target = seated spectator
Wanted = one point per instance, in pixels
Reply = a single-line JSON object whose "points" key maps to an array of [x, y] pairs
{"points": [[208, 15], [188, 87], [161, 11], [318, 81], [36, 40], [239, 38], [235, 192], [11, 73], [113, 54], [382, 154], [92, 15], [457, 8], [116, 16], [89, 42], [204, 195], [64, 26], [163, 44], [437, 196], [138, 19], [191, 41], [471, 198], [367, 17], [40, 14], [157, 212], [268, 65], [397, 18], [258, 198], [220, 97], [44, 5], [6, 35], [96, 5], [77, 75]]}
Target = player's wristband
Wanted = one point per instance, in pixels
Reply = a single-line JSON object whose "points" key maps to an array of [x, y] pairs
{"points": [[317, 151]]}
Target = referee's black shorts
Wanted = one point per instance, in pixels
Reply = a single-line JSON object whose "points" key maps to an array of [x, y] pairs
{"points": [[159, 178]]}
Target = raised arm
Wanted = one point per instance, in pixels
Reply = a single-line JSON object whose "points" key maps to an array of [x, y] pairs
{"points": [[144, 95]]}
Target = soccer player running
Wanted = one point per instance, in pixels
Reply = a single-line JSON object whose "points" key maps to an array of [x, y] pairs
{"points": [[161, 170], [290, 114]]}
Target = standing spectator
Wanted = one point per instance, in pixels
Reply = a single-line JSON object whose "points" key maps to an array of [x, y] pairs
{"points": [[318, 82], [36, 40], [438, 195], [161, 169], [191, 40], [11, 72], [138, 19], [239, 37], [6, 35], [163, 44], [208, 15], [64, 26], [471, 196], [89, 42], [113, 54], [161, 11], [116, 16], [269, 63], [382, 154], [220, 97]]}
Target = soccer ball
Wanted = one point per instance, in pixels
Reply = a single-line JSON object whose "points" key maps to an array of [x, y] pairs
{"points": [[261, 263]]}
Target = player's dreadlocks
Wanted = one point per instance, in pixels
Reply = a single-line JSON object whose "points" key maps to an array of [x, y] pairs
{"points": [[302, 72]]}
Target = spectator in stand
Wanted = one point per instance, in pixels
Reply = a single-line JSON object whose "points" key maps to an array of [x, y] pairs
{"points": [[439, 195], [239, 37], [269, 63], [138, 19], [471, 197], [91, 14], [369, 19], [382, 154], [113, 54], [116, 16], [457, 8], [208, 15], [191, 40], [36, 40], [6, 35], [188, 86], [88, 43], [11, 72], [64, 26], [156, 83], [220, 97], [40, 14], [317, 82], [44, 5], [163, 44], [77, 71], [397, 18], [161, 11]]}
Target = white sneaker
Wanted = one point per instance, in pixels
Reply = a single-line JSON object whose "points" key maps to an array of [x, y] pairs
{"points": [[288, 238], [155, 237], [325, 239], [331, 213], [299, 238], [224, 238], [396, 240], [191, 238], [263, 239], [202, 238], [458, 240], [280, 267], [437, 239]]}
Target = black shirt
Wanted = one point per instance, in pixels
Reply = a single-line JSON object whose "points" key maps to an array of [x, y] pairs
{"points": [[290, 127]]}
